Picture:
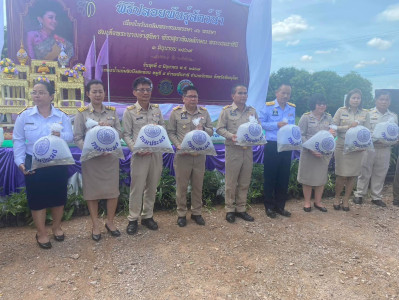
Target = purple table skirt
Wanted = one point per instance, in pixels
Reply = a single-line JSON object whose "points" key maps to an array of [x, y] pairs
{"points": [[11, 178]]}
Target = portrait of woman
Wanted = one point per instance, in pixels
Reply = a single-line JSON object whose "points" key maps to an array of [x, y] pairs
{"points": [[49, 31]]}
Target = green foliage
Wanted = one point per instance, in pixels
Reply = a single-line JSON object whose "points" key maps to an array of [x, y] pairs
{"points": [[15, 204], [294, 188], [166, 191], [213, 188], [328, 83], [255, 191]]}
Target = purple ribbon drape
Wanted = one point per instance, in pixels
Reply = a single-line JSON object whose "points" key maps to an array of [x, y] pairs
{"points": [[11, 178]]}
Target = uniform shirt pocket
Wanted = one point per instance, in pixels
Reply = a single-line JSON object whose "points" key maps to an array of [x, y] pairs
{"points": [[31, 131]]}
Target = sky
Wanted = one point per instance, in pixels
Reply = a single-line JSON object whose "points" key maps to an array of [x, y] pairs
{"points": [[340, 36]]}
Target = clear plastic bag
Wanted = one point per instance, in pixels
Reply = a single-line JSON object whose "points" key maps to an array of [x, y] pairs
{"points": [[250, 133], [322, 142], [153, 138], [51, 150], [197, 142], [289, 138], [357, 139], [386, 133], [99, 140]]}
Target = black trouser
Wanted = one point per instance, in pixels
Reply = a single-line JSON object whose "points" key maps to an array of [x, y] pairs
{"points": [[276, 176]]}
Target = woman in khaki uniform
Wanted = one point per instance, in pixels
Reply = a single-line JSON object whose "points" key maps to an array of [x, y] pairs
{"points": [[100, 174], [348, 166], [313, 166]]}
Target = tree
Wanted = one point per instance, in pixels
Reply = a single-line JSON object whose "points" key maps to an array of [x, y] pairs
{"points": [[328, 83]]}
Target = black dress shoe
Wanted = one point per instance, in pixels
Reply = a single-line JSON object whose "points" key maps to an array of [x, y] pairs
{"points": [[149, 223], [230, 217], [43, 245], [358, 200], [379, 203], [283, 212], [181, 221], [198, 219], [245, 216], [307, 209], [96, 237], [270, 213], [132, 227], [321, 208], [345, 208], [59, 238], [337, 206], [114, 233]]}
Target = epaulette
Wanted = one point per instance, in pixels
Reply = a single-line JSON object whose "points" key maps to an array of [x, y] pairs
{"points": [[343, 107], [328, 114], [291, 104], [130, 107], [62, 110], [178, 107], [82, 109], [307, 113], [203, 108], [227, 106], [270, 103], [23, 110], [155, 105], [110, 107]]}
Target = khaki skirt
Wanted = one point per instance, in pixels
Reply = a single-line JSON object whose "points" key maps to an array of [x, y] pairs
{"points": [[313, 171], [100, 176], [348, 165]]}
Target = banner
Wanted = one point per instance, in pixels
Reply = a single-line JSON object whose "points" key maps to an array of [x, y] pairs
{"points": [[174, 43]]}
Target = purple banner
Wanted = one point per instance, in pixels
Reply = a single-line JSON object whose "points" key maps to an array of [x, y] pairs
{"points": [[174, 43]]}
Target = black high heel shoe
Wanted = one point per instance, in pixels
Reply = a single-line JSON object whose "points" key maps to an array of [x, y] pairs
{"points": [[43, 245], [337, 206], [114, 233], [96, 237]]}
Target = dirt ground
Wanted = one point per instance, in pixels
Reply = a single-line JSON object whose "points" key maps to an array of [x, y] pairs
{"points": [[334, 255]]}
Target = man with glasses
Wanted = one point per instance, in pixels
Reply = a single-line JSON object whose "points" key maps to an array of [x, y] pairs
{"points": [[188, 167], [375, 163], [145, 167], [239, 160]]}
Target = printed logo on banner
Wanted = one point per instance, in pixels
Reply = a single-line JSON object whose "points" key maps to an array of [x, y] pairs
{"points": [[199, 138], [152, 131], [296, 133], [165, 87], [106, 136], [363, 135], [182, 84], [328, 144], [42, 147], [255, 129]]}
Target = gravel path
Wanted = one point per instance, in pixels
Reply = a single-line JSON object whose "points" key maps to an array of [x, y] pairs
{"points": [[334, 255]]}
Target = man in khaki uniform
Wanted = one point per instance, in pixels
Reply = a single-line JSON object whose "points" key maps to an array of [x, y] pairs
{"points": [[188, 167], [239, 160], [375, 163], [145, 167]]}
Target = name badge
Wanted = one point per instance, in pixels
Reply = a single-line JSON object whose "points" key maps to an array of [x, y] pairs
{"points": [[139, 118], [233, 113]]}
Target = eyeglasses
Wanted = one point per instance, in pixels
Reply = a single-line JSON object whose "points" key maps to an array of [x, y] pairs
{"points": [[144, 90], [40, 93], [242, 93], [191, 97]]}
